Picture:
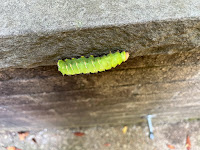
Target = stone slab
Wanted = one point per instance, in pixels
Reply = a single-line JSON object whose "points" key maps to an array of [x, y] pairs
{"points": [[165, 85], [27, 16]]}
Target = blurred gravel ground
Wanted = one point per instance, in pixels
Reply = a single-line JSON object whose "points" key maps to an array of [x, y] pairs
{"points": [[108, 138]]}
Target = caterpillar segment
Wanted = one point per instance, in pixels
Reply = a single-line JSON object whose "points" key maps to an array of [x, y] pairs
{"points": [[92, 64]]}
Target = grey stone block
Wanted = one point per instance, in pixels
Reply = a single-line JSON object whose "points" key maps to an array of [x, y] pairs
{"points": [[28, 16], [35, 33]]}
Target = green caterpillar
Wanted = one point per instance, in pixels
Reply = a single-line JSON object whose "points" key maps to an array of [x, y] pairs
{"points": [[92, 64]]}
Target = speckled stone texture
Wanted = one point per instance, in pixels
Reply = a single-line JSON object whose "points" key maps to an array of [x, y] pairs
{"points": [[35, 33], [27, 16], [110, 138]]}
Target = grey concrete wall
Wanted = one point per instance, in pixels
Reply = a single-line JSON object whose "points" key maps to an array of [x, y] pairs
{"points": [[39, 32], [27, 16]]}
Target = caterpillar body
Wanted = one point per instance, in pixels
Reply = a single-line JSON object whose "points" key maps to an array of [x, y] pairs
{"points": [[92, 64]]}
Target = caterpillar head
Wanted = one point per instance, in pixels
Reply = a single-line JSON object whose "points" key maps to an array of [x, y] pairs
{"points": [[127, 56]]}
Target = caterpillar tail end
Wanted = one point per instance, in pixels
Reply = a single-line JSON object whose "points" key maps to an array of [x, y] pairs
{"points": [[127, 56], [60, 65]]}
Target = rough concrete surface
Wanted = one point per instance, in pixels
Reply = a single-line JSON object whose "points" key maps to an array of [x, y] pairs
{"points": [[39, 32], [165, 37], [21, 16], [165, 85], [109, 138]]}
